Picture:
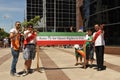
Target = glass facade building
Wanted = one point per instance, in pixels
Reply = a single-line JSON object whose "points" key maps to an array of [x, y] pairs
{"points": [[56, 15], [60, 15], [108, 13]]}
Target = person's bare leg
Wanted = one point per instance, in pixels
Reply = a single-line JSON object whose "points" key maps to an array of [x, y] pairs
{"points": [[76, 61], [26, 65], [91, 63], [80, 60], [87, 62], [26, 68], [29, 64]]}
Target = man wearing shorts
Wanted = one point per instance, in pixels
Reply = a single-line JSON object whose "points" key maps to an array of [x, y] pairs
{"points": [[29, 48], [89, 48]]}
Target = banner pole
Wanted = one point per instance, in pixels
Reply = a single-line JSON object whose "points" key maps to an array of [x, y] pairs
{"points": [[38, 56], [84, 65]]}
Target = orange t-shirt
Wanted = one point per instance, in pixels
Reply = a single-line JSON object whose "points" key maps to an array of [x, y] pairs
{"points": [[15, 42]]}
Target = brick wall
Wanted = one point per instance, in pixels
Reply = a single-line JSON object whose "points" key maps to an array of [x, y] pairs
{"points": [[112, 50]]}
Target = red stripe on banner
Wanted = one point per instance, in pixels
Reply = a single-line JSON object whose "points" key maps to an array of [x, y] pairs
{"points": [[48, 43]]}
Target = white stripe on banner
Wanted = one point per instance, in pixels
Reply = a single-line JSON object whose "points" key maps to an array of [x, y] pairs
{"points": [[41, 38]]}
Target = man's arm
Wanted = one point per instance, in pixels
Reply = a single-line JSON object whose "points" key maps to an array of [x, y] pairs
{"points": [[12, 35]]}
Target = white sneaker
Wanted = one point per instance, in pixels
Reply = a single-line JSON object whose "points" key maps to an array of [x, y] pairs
{"points": [[16, 74], [42, 70], [25, 73]]}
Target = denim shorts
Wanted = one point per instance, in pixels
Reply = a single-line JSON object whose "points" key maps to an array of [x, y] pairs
{"points": [[89, 53], [29, 52]]}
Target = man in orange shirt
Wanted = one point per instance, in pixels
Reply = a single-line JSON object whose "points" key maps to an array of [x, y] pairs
{"points": [[15, 40]]}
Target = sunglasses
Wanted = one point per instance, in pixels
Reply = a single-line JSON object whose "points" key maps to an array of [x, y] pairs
{"points": [[19, 24]]}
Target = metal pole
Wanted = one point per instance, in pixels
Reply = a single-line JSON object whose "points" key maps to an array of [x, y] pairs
{"points": [[54, 15], [44, 15]]}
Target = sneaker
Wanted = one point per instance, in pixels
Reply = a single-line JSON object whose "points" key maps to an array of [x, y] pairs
{"points": [[41, 70], [16, 74], [91, 66], [25, 73]]}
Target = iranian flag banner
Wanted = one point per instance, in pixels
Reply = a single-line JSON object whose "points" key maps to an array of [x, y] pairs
{"points": [[60, 38]]}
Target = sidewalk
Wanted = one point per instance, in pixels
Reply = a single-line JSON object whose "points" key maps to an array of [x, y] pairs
{"points": [[5, 69], [67, 61], [111, 58], [59, 65]]}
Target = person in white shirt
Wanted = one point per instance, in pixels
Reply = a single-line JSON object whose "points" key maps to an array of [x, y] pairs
{"points": [[15, 40], [29, 48], [5, 40], [99, 43]]}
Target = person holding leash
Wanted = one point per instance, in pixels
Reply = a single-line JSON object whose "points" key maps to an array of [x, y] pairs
{"points": [[98, 38]]}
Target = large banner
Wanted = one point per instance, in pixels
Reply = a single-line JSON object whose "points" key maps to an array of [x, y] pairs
{"points": [[60, 38]]}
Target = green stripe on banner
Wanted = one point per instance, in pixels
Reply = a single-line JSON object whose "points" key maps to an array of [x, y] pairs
{"points": [[60, 38], [61, 34]]}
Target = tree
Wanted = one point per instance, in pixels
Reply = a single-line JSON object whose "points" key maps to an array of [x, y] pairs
{"points": [[3, 34], [33, 21]]}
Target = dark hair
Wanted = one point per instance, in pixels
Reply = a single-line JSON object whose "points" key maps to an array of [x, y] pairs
{"points": [[17, 22], [89, 29], [30, 25]]}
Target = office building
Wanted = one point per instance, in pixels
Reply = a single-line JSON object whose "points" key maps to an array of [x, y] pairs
{"points": [[106, 12], [56, 15]]}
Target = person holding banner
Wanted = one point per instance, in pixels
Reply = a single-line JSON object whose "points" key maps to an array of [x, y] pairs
{"points": [[29, 48], [98, 38]]}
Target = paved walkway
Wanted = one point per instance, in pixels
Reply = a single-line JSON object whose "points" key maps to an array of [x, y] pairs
{"points": [[58, 64]]}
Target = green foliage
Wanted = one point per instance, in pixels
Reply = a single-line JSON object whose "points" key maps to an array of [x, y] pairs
{"points": [[24, 24], [3, 34], [33, 21]]}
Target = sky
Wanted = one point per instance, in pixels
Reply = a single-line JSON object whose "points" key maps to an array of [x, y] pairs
{"points": [[10, 12]]}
